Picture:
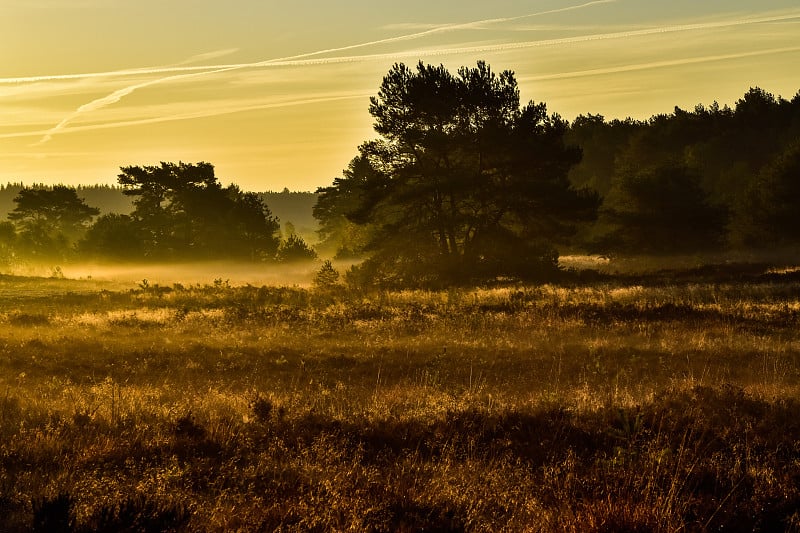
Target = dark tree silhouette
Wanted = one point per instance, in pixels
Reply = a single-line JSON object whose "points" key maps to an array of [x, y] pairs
{"points": [[254, 229], [181, 211], [48, 220], [327, 276], [56, 209], [727, 150], [767, 215], [463, 182], [8, 241], [113, 236], [343, 230], [601, 142], [294, 249], [660, 210]]}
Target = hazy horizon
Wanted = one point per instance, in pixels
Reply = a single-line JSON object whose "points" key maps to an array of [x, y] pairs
{"points": [[278, 98]]}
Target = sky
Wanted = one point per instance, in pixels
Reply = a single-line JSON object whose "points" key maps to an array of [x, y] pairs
{"points": [[276, 94]]}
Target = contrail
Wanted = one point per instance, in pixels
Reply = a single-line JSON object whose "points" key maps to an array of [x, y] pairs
{"points": [[193, 115], [323, 99], [296, 60], [658, 64], [301, 59], [399, 38], [464, 26], [502, 47], [607, 36], [113, 98], [287, 61], [208, 55], [116, 96], [179, 67]]}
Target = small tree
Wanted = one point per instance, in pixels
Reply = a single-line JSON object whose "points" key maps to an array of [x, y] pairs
{"points": [[327, 276], [294, 249]]}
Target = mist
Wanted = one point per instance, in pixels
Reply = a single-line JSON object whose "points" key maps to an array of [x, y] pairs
{"points": [[298, 274]]}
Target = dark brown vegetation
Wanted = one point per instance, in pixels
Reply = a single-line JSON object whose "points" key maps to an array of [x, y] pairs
{"points": [[629, 404]]}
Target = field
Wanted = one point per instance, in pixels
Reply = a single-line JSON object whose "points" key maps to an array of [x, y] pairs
{"points": [[649, 403]]}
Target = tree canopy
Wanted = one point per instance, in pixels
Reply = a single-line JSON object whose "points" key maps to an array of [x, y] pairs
{"points": [[726, 172], [182, 211], [463, 182], [767, 214], [47, 221], [660, 209]]}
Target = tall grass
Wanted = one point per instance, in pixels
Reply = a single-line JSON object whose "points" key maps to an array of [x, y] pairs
{"points": [[619, 405]]}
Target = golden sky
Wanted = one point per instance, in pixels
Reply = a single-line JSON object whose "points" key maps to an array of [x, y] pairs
{"points": [[275, 94]]}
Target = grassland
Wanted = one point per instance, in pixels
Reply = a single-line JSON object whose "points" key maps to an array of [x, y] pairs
{"points": [[658, 403]]}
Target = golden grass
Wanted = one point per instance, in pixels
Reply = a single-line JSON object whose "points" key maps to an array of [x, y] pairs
{"points": [[618, 406]]}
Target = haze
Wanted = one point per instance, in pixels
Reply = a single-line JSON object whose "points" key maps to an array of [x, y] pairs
{"points": [[126, 276], [276, 95]]}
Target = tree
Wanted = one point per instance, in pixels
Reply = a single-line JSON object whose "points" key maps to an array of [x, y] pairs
{"points": [[662, 209], [341, 231], [112, 236], [294, 249], [47, 220], [8, 240], [767, 214], [463, 182], [182, 211], [327, 276], [289, 229], [252, 229], [601, 143]]}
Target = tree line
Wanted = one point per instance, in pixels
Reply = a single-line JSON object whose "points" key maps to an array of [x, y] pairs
{"points": [[107, 198], [464, 183], [180, 212], [714, 178]]}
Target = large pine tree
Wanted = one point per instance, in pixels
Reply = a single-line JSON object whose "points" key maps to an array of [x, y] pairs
{"points": [[463, 183]]}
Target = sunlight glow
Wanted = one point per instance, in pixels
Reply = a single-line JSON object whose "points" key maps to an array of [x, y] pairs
{"points": [[614, 57]]}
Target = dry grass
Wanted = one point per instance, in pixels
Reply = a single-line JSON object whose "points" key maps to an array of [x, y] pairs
{"points": [[614, 406]]}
